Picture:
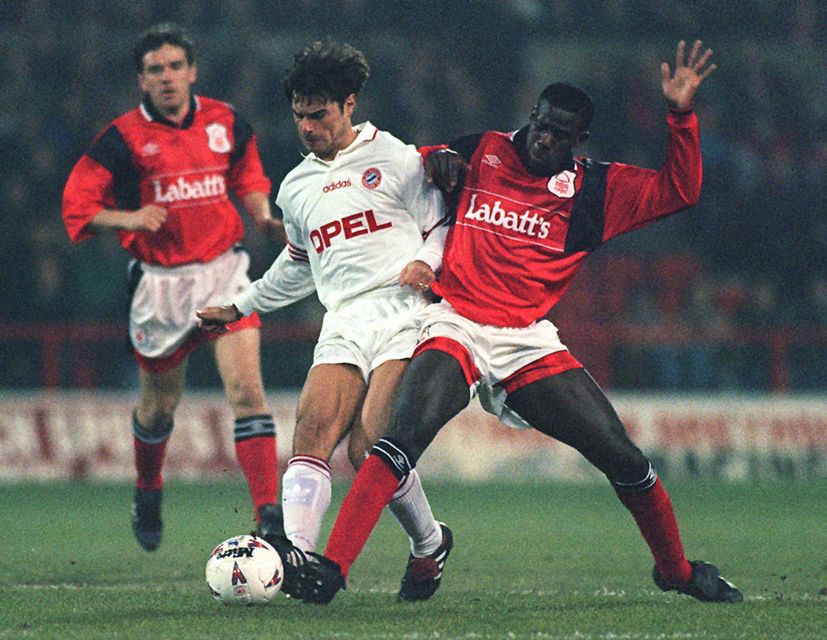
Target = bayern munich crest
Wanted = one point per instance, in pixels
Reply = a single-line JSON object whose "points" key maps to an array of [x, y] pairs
{"points": [[371, 178]]}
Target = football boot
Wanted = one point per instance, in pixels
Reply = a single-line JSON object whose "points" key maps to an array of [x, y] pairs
{"points": [[321, 579], [424, 575], [292, 558], [146, 518], [705, 584], [270, 521]]}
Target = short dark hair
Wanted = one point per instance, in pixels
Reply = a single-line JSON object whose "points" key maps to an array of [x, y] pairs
{"points": [[326, 70], [569, 98], [157, 36]]}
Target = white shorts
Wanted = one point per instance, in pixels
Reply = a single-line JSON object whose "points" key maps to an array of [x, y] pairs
{"points": [[495, 360], [374, 329], [162, 314]]}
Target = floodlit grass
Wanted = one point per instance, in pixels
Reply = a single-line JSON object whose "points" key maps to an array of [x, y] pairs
{"points": [[530, 562]]}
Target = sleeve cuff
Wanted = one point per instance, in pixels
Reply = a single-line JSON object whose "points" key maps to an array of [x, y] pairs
{"points": [[430, 256], [244, 302], [682, 118]]}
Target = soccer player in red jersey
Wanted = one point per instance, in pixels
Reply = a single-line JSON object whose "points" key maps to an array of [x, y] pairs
{"points": [[527, 214], [161, 176]]}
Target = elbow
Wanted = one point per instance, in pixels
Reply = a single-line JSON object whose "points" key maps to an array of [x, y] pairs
{"points": [[688, 192], [692, 198]]}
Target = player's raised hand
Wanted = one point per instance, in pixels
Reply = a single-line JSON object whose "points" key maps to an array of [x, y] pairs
{"points": [[417, 275], [216, 319], [150, 218], [444, 168], [679, 88]]}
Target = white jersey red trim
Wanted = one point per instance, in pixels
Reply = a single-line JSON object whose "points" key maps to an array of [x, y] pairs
{"points": [[352, 224]]}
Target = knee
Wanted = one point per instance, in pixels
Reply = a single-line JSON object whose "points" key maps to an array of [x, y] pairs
{"points": [[246, 397], [157, 413]]}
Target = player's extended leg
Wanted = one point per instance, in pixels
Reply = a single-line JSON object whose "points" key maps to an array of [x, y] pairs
{"points": [[431, 542], [571, 408], [239, 365], [433, 390], [152, 425], [330, 398]]}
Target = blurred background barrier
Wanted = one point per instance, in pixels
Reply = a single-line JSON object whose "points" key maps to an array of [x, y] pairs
{"points": [[79, 435], [619, 354]]}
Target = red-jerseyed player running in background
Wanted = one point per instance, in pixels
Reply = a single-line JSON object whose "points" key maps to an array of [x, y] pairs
{"points": [[161, 175], [527, 215]]}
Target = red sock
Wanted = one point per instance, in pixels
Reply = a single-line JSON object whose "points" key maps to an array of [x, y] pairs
{"points": [[257, 457], [372, 489], [149, 460], [652, 510]]}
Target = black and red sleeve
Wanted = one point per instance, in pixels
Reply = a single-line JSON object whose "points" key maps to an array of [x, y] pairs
{"points": [[103, 178]]}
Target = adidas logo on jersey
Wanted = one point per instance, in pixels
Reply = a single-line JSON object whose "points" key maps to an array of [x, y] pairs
{"points": [[341, 184], [209, 186]]}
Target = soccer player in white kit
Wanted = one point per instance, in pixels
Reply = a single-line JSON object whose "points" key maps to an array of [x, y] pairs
{"points": [[365, 230]]}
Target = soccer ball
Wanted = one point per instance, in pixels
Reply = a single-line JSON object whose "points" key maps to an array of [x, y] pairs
{"points": [[244, 570]]}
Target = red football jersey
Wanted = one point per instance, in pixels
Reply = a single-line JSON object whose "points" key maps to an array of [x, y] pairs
{"points": [[141, 158], [519, 239]]}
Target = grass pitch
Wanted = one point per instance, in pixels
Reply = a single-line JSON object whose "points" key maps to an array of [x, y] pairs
{"points": [[530, 562]]}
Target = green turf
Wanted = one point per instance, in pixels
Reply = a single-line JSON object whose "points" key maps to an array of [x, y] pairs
{"points": [[530, 562]]}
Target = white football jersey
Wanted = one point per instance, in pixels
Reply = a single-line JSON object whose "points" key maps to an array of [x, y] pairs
{"points": [[352, 224]]}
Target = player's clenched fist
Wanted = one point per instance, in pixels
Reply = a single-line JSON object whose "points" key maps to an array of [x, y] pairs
{"points": [[150, 217], [417, 275]]}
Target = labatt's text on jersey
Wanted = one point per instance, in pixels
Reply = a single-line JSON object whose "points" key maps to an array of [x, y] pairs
{"points": [[527, 223], [355, 224], [181, 189]]}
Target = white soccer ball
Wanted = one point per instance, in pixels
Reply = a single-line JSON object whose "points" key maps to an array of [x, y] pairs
{"points": [[244, 570]]}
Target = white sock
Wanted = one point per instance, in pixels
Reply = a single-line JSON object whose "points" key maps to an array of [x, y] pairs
{"points": [[305, 497], [413, 512]]}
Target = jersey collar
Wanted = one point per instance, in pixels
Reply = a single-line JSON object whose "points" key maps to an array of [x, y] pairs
{"points": [[152, 114], [365, 133]]}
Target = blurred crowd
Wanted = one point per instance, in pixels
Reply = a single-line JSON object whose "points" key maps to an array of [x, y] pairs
{"points": [[749, 257]]}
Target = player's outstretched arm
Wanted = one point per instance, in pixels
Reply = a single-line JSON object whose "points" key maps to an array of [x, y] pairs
{"points": [[216, 319], [679, 88]]}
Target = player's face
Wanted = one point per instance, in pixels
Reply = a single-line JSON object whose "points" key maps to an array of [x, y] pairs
{"points": [[324, 127], [552, 133], [167, 78]]}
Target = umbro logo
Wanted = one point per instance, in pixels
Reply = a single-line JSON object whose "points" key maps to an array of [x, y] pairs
{"points": [[491, 160], [150, 149]]}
